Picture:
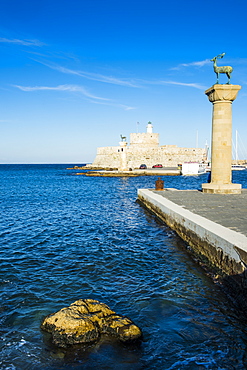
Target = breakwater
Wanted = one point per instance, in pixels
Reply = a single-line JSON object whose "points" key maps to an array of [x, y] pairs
{"points": [[65, 237]]}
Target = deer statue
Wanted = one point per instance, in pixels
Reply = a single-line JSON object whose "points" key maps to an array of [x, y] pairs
{"points": [[225, 69], [123, 138]]}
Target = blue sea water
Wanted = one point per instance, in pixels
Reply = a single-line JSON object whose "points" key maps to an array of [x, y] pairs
{"points": [[66, 237]]}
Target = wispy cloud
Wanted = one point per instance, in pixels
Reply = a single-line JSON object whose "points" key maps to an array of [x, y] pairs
{"points": [[112, 104], [168, 82], [200, 63], [94, 76], [22, 42], [126, 107], [195, 85], [71, 88], [136, 83], [75, 88]]}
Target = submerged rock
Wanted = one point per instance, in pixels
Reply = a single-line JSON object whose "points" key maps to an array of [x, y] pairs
{"points": [[85, 320]]}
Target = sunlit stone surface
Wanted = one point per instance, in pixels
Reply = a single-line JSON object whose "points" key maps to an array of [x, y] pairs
{"points": [[85, 320]]}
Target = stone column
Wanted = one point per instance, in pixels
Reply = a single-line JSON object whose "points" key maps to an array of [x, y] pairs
{"points": [[222, 97], [123, 156]]}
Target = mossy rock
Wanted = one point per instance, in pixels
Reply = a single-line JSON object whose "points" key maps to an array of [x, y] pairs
{"points": [[85, 320]]}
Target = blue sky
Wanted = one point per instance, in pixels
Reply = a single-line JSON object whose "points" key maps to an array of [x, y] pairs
{"points": [[76, 74]]}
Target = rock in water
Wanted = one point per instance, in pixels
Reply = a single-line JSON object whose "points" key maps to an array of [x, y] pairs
{"points": [[85, 320]]}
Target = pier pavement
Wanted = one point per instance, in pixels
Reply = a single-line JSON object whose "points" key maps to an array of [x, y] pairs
{"points": [[228, 210]]}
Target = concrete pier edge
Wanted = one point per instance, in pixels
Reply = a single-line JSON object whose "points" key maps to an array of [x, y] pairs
{"points": [[222, 249]]}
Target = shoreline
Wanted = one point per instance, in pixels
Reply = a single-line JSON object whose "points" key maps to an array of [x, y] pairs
{"points": [[130, 173]]}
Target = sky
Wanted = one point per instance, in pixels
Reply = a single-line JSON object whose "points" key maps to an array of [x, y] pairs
{"points": [[75, 75]]}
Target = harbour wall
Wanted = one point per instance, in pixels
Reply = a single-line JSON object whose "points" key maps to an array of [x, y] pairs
{"points": [[222, 250]]}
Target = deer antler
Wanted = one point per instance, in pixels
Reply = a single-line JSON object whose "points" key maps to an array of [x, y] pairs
{"points": [[220, 55]]}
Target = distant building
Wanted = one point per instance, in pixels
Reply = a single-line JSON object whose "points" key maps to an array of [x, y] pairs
{"points": [[144, 148]]}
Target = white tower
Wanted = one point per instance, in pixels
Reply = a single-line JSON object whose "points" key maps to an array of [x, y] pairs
{"points": [[149, 128], [123, 164]]}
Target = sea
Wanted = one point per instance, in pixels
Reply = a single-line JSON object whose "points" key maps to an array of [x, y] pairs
{"points": [[66, 237]]}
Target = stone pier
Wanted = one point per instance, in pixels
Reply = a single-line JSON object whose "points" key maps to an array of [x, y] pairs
{"points": [[222, 97], [214, 228]]}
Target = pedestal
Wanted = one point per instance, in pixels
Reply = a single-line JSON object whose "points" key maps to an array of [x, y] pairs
{"points": [[222, 97], [123, 156]]}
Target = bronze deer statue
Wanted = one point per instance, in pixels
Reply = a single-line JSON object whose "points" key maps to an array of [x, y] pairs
{"points": [[224, 69]]}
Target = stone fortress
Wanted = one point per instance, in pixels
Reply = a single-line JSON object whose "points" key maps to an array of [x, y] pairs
{"points": [[144, 148]]}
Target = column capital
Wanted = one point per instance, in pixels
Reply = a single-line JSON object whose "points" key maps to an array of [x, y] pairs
{"points": [[221, 93]]}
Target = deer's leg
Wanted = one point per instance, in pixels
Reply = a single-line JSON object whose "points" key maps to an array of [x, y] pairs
{"points": [[229, 77], [217, 77]]}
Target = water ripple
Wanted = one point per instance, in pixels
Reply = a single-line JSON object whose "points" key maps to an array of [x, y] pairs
{"points": [[66, 237]]}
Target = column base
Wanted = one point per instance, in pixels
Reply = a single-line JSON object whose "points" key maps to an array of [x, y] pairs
{"points": [[221, 188]]}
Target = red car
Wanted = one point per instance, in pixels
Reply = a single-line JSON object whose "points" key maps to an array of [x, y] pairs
{"points": [[157, 166]]}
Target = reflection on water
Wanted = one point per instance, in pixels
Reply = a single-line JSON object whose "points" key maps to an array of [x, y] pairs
{"points": [[67, 237]]}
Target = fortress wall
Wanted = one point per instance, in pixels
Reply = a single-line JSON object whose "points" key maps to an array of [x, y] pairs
{"points": [[168, 156], [107, 150], [172, 154], [144, 140], [107, 157], [136, 156]]}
